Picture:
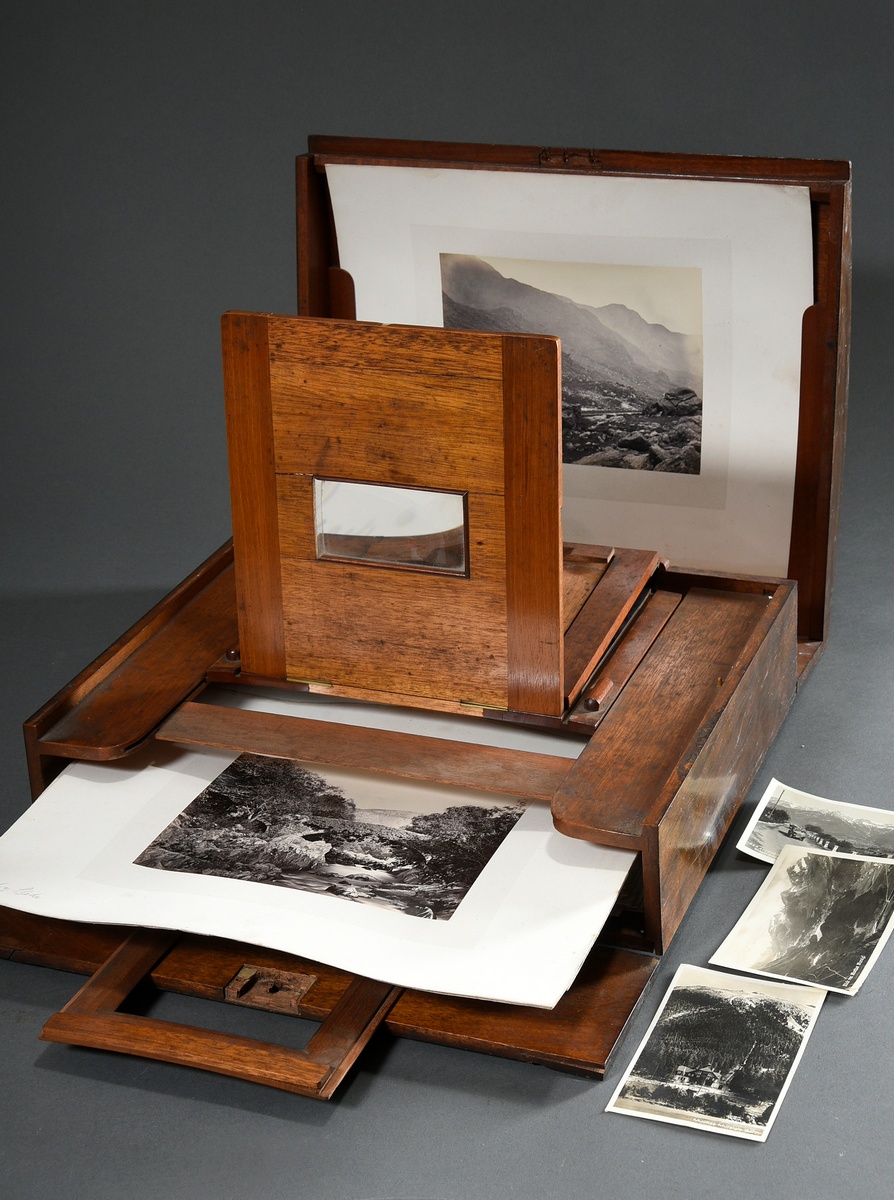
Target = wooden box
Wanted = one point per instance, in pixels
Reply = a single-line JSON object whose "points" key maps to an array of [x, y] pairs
{"points": [[680, 688]]}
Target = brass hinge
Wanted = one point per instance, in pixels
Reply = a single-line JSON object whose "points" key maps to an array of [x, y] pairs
{"points": [[560, 156]]}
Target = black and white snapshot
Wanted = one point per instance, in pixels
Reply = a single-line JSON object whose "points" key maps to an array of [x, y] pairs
{"points": [[270, 820], [632, 349], [818, 918], [785, 817], [720, 1053]]}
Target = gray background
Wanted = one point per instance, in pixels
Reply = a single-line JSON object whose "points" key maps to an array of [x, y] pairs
{"points": [[147, 186]]}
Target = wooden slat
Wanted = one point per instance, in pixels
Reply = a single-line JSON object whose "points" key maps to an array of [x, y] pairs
{"points": [[204, 966], [253, 492], [214, 575], [603, 614], [392, 349], [460, 764], [578, 581], [625, 659], [577, 160], [582, 568], [186, 1046], [107, 720], [824, 381], [61, 945], [532, 431]]}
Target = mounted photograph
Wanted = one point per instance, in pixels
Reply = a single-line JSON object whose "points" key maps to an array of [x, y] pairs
{"points": [[720, 1054], [632, 349], [270, 820], [818, 918], [786, 817]]}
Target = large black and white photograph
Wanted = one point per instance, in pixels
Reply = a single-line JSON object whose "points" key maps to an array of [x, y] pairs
{"points": [[632, 349], [785, 817], [365, 906], [720, 1054], [270, 820], [818, 918]]}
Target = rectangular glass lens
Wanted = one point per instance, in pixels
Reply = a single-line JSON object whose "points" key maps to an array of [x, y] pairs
{"points": [[394, 526]]}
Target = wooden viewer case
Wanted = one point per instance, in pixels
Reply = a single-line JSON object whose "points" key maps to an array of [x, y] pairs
{"points": [[681, 693]]}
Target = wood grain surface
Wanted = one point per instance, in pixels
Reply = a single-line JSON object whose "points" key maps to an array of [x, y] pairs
{"points": [[533, 502], [253, 492], [460, 764]]}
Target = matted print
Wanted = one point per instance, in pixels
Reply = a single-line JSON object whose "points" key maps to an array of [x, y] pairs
{"points": [[786, 817], [720, 1054], [818, 918], [632, 349], [270, 820], [706, 479]]}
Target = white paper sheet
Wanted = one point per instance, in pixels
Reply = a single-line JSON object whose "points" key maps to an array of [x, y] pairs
{"points": [[752, 244], [520, 935]]}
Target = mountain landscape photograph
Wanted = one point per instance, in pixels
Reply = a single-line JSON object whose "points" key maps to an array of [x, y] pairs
{"points": [[791, 817], [631, 384], [270, 820], [720, 1054], [818, 918], [834, 912]]}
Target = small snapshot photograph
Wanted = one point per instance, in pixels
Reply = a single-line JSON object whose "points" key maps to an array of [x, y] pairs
{"points": [[370, 839], [632, 349], [786, 817], [818, 918], [720, 1054]]}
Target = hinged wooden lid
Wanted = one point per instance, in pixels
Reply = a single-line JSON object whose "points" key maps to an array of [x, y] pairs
{"points": [[325, 290]]}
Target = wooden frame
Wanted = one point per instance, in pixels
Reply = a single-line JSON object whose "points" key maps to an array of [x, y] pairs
{"points": [[470, 413], [91, 1018]]}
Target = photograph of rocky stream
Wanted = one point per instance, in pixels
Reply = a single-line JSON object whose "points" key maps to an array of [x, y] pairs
{"points": [[270, 820]]}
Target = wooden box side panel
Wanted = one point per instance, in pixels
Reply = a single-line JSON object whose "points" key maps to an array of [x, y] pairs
{"points": [[718, 778], [632, 762], [117, 701]]}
